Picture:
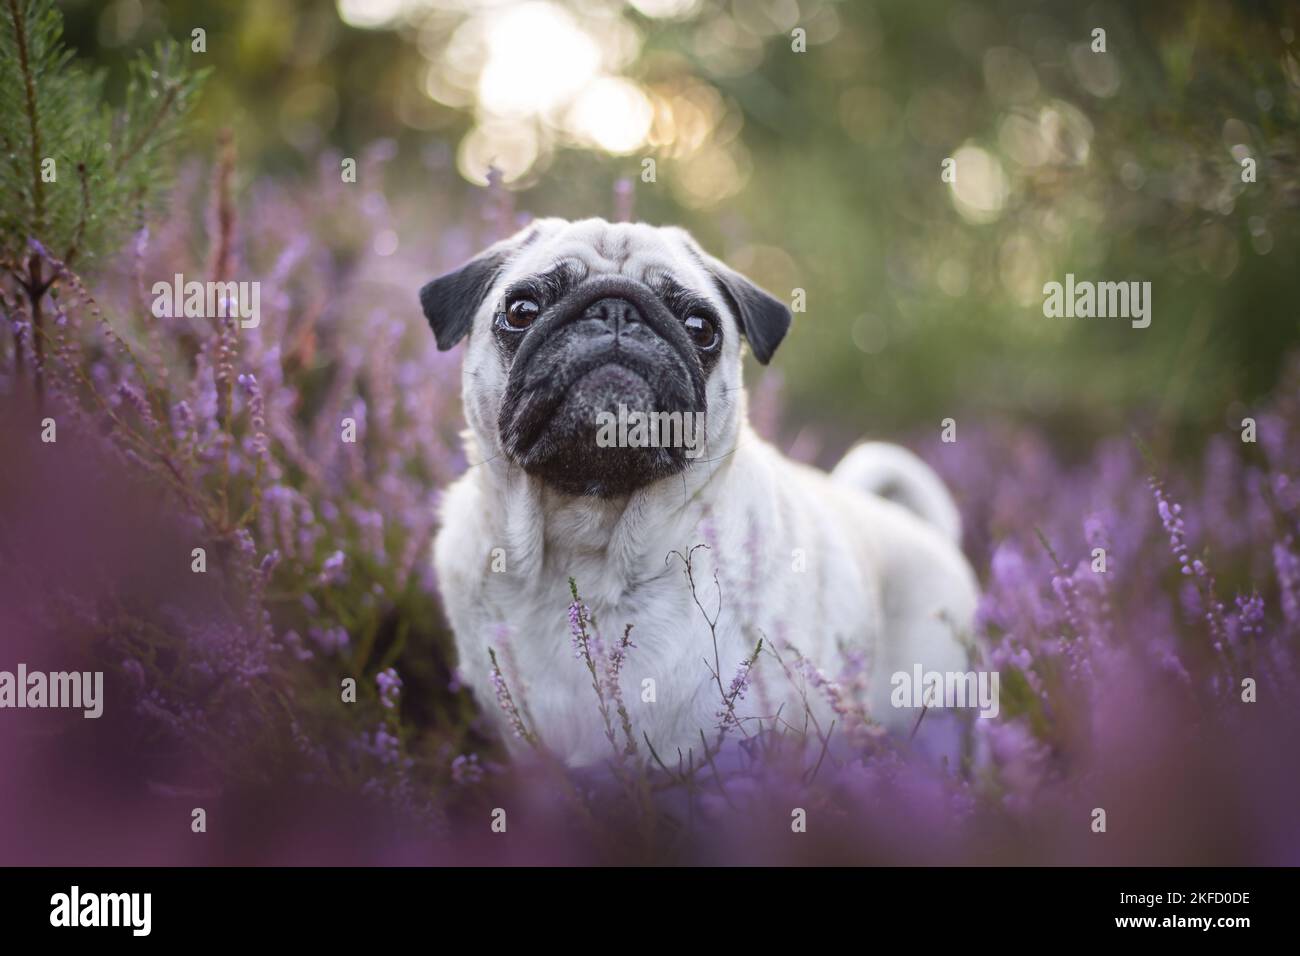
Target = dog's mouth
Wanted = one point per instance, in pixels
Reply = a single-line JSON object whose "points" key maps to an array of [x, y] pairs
{"points": [[605, 393]]}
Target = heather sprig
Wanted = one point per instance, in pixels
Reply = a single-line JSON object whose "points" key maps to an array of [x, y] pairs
{"points": [[1063, 586], [737, 689], [613, 682], [1210, 607], [506, 701], [390, 687], [590, 649]]}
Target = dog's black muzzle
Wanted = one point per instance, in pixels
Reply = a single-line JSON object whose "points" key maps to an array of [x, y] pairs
{"points": [[609, 347]]}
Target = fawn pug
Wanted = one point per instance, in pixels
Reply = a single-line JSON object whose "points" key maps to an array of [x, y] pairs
{"points": [[571, 322]]}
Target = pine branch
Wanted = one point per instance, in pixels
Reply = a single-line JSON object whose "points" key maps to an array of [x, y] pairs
{"points": [[80, 232], [127, 155], [18, 20], [53, 117]]}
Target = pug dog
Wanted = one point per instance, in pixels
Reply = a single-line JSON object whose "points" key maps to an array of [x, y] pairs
{"points": [[578, 334]]}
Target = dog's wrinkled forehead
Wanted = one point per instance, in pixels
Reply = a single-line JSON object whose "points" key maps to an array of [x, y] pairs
{"points": [[593, 247], [656, 256]]}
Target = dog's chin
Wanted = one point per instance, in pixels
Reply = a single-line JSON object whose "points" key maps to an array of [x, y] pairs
{"points": [[572, 452]]}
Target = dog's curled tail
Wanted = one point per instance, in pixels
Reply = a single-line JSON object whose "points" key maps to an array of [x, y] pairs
{"points": [[893, 472]]}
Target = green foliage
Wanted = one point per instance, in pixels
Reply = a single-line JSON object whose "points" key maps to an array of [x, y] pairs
{"points": [[74, 171]]}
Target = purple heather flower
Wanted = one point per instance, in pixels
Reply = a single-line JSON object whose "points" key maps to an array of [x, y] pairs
{"points": [[390, 687], [735, 693], [739, 683], [579, 621], [182, 419], [247, 547], [384, 745], [466, 769], [1207, 605], [507, 704], [1249, 619], [332, 571], [293, 642], [1174, 526], [333, 640], [1286, 563], [130, 397]]}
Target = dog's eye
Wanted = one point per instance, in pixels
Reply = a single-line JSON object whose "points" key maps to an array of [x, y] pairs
{"points": [[703, 332], [519, 314]]}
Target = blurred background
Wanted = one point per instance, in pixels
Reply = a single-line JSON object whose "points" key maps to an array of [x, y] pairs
{"points": [[820, 170]]}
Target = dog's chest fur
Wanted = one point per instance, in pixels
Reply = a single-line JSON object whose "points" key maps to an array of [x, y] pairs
{"points": [[757, 575]]}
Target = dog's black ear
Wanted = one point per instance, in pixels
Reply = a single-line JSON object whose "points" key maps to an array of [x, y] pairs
{"points": [[764, 319], [450, 301]]}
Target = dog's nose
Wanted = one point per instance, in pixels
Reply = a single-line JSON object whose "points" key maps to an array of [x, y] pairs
{"points": [[615, 313]]}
